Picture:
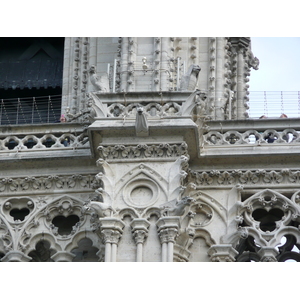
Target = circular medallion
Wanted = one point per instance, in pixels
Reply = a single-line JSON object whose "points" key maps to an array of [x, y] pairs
{"points": [[141, 193]]}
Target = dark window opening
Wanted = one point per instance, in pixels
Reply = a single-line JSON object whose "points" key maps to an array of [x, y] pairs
{"points": [[247, 249], [85, 251], [42, 252], [65, 224], [19, 214], [267, 219], [31, 71]]}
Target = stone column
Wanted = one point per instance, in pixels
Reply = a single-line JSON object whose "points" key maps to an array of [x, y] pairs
{"points": [[268, 254], [168, 230], [140, 232], [111, 231], [124, 64], [219, 93], [240, 84], [222, 253], [93, 51], [164, 73]]}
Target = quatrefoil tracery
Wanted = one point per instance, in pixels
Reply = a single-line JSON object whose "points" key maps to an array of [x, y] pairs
{"points": [[267, 212]]}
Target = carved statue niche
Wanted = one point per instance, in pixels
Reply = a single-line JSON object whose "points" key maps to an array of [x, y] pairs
{"points": [[176, 207], [190, 79], [100, 83], [141, 124]]}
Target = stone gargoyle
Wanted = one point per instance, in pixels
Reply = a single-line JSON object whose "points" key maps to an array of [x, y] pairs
{"points": [[176, 207], [141, 124], [100, 83], [102, 209], [190, 79]]}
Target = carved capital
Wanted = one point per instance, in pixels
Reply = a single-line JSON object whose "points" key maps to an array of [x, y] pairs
{"points": [[111, 230], [140, 230], [168, 235], [140, 236], [110, 236], [268, 254], [222, 253], [168, 221]]}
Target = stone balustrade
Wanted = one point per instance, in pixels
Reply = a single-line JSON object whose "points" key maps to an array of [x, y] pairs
{"points": [[252, 137], [154, 105], [43, 137], [259, 132]]}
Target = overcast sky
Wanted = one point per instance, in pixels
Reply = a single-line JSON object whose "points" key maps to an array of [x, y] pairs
{"points": [[279, 68], [279, 71]]}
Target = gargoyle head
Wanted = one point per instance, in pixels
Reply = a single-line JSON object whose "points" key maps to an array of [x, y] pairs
{"points": [[92, 69], [196, 69]]}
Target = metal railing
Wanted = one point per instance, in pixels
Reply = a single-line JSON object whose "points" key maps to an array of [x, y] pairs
{"points": [[274, 103], [45, 109]]}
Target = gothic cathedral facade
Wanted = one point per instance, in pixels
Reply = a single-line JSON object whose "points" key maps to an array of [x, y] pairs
{"points": [[154, 159]]}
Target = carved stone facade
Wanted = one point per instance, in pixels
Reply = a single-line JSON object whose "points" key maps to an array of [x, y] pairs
{"points": [[158, 160]]}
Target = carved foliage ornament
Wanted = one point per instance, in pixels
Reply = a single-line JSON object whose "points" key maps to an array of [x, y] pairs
{"points": [[8, 185], [142, 151], [232, 177]]}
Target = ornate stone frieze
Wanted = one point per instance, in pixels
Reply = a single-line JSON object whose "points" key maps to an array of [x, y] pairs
{"points": [[48, 183], [245, 177], [143, 151]]}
